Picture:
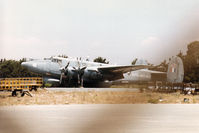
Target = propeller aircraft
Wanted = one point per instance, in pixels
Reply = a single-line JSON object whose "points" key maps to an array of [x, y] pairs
{"points": [[74, 72]]}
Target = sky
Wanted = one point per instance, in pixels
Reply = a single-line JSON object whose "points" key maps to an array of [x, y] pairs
{"points": [[118, 30]]}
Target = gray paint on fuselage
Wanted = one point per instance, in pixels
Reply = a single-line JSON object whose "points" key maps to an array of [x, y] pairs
{"points": [[51, 67], [140, 75], [174, 74], [73, 71]]}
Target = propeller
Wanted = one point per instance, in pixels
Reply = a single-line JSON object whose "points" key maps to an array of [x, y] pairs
{"points": [[64, 71], [80, 73]]}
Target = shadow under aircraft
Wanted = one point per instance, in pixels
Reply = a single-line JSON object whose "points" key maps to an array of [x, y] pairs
{"points": [[71, 72]]}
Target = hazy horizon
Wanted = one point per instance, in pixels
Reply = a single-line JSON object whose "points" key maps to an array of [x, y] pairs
{"points": [[118, 30]]}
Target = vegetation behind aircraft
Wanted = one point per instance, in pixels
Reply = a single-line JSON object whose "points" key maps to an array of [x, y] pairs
{"points": [[12, 68]]}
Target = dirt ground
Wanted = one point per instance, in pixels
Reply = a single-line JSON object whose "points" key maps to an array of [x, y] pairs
{"points": [[45, 97]]}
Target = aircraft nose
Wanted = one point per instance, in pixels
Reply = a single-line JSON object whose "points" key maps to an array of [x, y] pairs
{"points": [[25, 64], [33, 66]]}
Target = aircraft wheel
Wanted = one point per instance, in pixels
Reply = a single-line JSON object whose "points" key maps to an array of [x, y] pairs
{"points": [[22, 93], [14, 93]]}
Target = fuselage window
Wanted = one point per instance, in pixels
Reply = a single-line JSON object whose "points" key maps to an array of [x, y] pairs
{"points": [[54, 60]]}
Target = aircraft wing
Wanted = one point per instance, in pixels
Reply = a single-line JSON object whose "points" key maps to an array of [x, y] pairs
{"points": [[121, 69]]}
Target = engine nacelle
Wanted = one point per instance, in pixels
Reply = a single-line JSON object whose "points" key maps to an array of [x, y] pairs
{"points": [[92, 75], [71, 74]]}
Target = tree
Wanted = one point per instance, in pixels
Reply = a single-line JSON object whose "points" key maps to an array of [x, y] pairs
{"points": [[180, 54], [163, 66], [12, 68], [101, 60], [190, 61]]}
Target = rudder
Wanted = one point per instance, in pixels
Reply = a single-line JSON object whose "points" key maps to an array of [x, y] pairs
{"points": [[175, 72]]}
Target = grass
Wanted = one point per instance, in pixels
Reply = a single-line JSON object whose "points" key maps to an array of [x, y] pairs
{"points": [[44, 97], [153, 101]]}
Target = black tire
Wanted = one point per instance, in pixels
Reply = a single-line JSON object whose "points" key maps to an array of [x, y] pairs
{"points": [[35, 88], [22, 94], [14, 94]]}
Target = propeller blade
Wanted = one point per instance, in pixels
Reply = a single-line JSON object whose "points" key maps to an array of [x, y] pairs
{"points": [[78, 79], [74, 68], [67, 65], [63, 71], [82, 69], [80, 72], [60, 80]]}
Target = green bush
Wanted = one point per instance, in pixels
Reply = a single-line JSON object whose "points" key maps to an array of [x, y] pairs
{"points": [[153, 101]]}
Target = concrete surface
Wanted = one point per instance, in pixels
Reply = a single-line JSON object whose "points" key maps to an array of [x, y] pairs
{"points": [[111, 118], [93, 89]]}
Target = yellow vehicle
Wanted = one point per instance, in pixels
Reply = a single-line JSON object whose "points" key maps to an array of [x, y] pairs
{"points": [[22, 85]]}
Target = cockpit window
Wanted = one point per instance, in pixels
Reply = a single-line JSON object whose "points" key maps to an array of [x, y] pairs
{"points": [[59, 61], [56, 60]]}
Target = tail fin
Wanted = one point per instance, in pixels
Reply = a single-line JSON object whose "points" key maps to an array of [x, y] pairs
{"points": [[175, 73]]}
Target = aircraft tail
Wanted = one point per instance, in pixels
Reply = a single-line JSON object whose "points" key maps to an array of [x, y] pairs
{"points": [[141, 62], [175, 72]]}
